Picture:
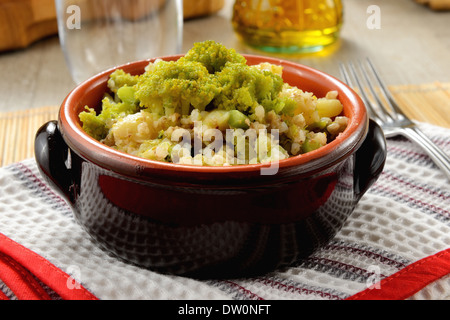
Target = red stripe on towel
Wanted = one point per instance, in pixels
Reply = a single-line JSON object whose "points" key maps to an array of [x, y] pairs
{"points": [[410, 280], [20, 281], [22, 267]]}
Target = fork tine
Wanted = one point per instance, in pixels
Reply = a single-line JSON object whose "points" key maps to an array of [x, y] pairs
{"points": [[398, 125], [348, 75], [387, 115], [387, 94]]}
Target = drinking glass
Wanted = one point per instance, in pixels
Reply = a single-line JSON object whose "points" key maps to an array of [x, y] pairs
{"points": [[99, 34]]}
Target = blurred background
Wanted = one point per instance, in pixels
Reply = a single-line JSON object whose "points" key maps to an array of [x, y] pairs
{"points": [[411, 46]]}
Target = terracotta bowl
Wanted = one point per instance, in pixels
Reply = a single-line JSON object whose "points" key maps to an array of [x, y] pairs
{"points": [[211, 221]]}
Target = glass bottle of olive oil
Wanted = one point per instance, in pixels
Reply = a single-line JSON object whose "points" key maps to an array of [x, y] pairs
{"points": [[288, 26]]}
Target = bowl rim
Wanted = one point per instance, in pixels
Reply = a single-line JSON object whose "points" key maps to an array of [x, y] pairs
{"points": [[95, 151]]}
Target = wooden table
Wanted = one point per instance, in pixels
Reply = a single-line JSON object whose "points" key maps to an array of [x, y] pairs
{"points": [[411, 49]]}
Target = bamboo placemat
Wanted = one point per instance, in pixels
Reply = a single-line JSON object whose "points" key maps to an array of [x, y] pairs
{"points": [[426, 103], [17, 131]]}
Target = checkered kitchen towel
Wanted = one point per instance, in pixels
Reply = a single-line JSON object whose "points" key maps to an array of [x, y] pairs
{"points": [[399, 234]]}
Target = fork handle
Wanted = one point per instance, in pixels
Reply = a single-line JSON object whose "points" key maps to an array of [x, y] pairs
{"points": [[439, 157]]}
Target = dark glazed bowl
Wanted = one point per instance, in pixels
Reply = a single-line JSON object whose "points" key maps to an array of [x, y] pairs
{"points": [[211, 221]]}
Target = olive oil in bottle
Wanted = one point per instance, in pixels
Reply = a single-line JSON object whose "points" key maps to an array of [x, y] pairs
{"points": [[288, 26]]}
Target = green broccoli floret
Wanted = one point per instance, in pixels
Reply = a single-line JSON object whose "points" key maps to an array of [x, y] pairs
{"points": [[209, 76], [214, 56], [92, 124], [120, 78], [175, 86], [281, 105], [243, 88], [98, 126]]}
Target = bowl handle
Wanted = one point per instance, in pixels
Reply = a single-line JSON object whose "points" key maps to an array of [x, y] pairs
{"points": [[51, 153], [369, 159]]}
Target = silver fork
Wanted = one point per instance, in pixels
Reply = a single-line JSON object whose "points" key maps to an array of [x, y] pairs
{"points": [[385, 111]]}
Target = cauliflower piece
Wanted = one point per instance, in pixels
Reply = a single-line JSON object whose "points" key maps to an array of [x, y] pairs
{"points": [[304, 103], [266, 66], [130, 132]]}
